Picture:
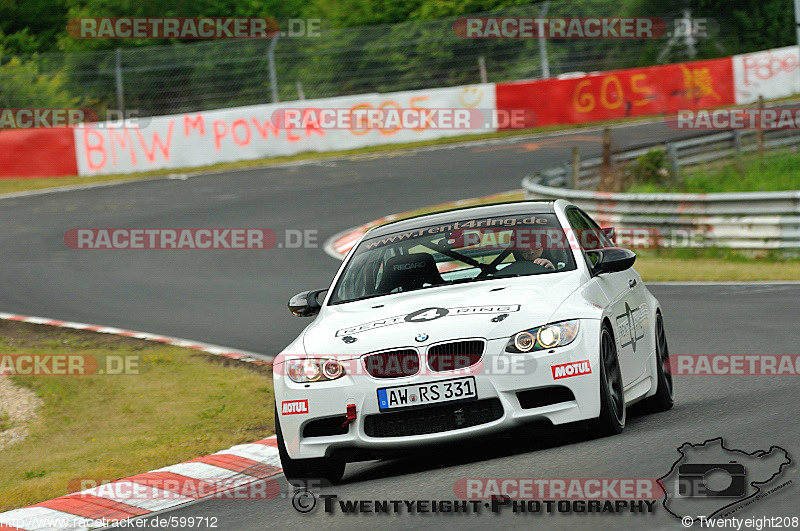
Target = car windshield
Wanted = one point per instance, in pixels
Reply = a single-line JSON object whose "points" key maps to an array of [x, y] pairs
{"points": [[469, 250]]}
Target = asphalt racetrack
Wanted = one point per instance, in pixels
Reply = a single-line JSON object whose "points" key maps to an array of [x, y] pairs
{"points": [[238, 299]]}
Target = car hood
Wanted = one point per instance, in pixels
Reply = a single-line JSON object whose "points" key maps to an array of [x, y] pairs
{"points": [[489, 309]]}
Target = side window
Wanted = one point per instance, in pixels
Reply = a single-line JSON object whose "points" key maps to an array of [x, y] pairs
{"points": [[604, 241], [576, 220], [586, 231]]}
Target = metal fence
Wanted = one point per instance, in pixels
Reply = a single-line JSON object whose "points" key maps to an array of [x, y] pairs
{"points": [[749, 220], [187, 77]]}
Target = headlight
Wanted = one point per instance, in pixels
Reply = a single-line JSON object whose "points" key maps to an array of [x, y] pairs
{"points": [[314, 370], [543, 337], [524, 341]]}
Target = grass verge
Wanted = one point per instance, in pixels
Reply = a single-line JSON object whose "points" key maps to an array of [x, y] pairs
{"points": [[5, 421], [672, 268], [182, 404], [778, 171]]}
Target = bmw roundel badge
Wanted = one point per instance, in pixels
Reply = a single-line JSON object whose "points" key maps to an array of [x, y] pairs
{"points": [[421, 337]]}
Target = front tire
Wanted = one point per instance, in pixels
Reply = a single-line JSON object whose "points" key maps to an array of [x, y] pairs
{"points": [[612, 400], [664, 397], [325, 468]]}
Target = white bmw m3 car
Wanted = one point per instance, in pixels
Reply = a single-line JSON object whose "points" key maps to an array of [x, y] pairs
{"points": [[462, 324]]}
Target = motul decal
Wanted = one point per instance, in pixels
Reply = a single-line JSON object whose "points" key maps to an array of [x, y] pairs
{"points": [[294, 407], [568, 370]]}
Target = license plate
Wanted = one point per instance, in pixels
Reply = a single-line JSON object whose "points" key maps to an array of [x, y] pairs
{"points": [[427, 393]]}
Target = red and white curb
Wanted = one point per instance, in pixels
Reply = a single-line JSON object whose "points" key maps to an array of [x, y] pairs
{"points": [[340, 243], [217, 350], [239, 465]]}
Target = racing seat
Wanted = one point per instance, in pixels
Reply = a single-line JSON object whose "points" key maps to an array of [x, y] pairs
{"points": [[408, 272]]}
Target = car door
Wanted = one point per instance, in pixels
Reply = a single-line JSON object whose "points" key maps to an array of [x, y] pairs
{"points": [[625, 293]]}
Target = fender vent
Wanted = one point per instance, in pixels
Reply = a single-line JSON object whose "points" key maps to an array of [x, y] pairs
{"points": [[326, 427], [544, 396]]}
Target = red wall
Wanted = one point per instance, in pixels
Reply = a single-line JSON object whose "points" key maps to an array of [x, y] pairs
{"points": [[621, 93], [37, 153]]}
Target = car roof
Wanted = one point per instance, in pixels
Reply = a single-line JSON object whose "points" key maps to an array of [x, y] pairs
{"points": [[515, 208]]}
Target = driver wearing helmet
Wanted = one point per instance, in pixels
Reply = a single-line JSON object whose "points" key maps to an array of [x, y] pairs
{"points": [[533, 253]]}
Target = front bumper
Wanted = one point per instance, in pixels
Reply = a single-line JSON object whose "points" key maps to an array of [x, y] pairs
{"points": [[503, 375]]}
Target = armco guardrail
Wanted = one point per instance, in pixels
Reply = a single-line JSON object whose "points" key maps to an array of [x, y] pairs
{"points": [[748, 220], [681, 153]]}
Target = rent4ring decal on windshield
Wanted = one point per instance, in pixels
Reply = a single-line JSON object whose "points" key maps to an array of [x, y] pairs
{"points": [[427, 314]]}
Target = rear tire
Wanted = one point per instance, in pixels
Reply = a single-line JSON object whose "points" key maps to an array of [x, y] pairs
{"points": [[612, 400], [324, 468], [664, 397]]}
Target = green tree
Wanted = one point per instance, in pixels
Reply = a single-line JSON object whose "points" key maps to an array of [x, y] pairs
{"points": [[24, 86]]}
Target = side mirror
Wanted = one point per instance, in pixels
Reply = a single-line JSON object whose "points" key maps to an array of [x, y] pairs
{"points": [[611, 260], [306, 304], [609, 233]]}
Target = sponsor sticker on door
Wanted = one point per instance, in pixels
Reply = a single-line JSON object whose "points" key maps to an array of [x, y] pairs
{"points": [[294, 407], [568, 370]]}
